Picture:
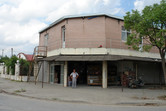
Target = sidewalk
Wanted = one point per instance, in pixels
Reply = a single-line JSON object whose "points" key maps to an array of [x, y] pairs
{"points": [[84, 94]]}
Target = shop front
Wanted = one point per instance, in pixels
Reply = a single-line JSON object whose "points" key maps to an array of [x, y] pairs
{"points": [[102, 70], [90, 73]]}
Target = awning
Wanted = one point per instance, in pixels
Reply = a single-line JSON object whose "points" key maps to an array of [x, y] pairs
{"points": [[96, 58]]}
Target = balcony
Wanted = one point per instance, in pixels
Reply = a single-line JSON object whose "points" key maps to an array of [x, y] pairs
{"points": [[40, 51]]}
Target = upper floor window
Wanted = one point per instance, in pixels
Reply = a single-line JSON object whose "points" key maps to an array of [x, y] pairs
{"points": [[125, 34], [63, 37], [45, 39]]}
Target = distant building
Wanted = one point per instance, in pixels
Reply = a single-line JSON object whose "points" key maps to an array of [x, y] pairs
{"points": [[27, 57]]}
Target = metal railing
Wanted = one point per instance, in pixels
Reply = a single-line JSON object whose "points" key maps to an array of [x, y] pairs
{"points": [[40, 51]]}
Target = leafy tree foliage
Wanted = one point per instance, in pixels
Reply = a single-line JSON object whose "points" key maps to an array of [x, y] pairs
{"points": [[10, 63], [24, 67], [149, 25]]}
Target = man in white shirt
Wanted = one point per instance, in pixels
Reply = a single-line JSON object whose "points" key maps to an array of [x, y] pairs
{"points": [[74, 75]]}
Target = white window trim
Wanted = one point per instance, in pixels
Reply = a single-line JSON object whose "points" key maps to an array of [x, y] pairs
{"points": [[126, 32], [46, 40]]}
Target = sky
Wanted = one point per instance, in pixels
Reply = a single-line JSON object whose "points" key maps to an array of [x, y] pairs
{"points": [[21, 20]]}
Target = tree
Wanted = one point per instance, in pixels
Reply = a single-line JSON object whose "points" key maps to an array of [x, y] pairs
{"points": [[24, 67], [6, 60], [149, 25]]}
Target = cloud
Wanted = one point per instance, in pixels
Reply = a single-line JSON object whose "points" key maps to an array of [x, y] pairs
{"points": [[140, 4], [85, 7], [21, 20]]}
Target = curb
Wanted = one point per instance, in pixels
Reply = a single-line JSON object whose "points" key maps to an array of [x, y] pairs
{"points": [[46, 99], [141, 104], [85, 102]]}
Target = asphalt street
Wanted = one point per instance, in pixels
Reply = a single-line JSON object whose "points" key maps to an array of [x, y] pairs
{"points": [[17, 103]]}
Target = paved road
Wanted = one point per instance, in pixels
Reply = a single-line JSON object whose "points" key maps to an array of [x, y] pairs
{"points": [[16, 103]]}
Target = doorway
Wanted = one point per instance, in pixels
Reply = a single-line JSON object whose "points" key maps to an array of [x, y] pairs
{"points": [[57, 74], [55, 71], [80, 68], [90, 73], [113, 77]]}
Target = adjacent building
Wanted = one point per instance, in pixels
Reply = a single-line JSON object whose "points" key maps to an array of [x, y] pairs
{"points": [[95, 46]]}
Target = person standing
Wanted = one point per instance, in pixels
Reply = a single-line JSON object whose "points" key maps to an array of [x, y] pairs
{"points": [[74, 75]]}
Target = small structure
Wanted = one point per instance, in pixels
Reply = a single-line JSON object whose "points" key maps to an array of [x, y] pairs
{"points": [[27, 57]]}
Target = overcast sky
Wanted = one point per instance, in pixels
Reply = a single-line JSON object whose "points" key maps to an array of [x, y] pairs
{"points": [[21, 20]]}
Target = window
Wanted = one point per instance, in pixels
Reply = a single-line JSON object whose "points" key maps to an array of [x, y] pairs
{"points": [[46, 40], [125, 33], [63, 37]]}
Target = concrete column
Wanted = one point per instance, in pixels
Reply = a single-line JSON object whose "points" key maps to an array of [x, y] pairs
{"points": [[65, 74], [2, 68], [62, 74], [104, 74], [10, 72], [17, 68], [5, 70]]}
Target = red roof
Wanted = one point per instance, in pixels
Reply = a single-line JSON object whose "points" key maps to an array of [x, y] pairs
{"points": [[27, 56]]}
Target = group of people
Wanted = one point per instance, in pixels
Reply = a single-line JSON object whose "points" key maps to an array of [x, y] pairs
{"points": [[72, 79]]}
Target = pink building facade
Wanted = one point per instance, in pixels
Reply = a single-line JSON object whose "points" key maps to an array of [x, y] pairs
{"points": [[96, 43]]}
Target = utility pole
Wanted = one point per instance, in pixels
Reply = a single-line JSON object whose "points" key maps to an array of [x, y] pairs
{"points": [[2, 52], [11, 52]]}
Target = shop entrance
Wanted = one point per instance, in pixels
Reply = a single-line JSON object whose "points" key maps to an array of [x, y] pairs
{"points": [[55, 73], [113, 77], [81, 69], [90, 73]]}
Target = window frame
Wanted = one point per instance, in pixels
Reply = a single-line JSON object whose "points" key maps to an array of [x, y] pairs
{"points": [[63, 36], [46, 36], [126, 33]]}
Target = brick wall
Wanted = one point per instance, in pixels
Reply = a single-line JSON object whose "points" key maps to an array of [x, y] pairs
{"points": [[86, 33]]}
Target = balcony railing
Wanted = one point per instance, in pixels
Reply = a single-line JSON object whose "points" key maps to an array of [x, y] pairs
{"points": [[40, 51]]}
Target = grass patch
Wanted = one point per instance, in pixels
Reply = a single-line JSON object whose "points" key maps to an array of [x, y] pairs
{"points": [[19, 91], [135, 97], [145, 98], [141, 98], [54, 98], [150, 104], [16, 80], [162, 97]]}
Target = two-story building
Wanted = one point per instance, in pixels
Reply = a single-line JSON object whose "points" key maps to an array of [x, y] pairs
{"points": [[95, 46]]}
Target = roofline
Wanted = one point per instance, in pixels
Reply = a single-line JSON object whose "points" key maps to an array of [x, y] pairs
{"points": [[78, 16]]}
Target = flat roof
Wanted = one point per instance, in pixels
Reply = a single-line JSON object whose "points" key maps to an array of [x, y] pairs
{"points": [[97, 58], [78, 16]]}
